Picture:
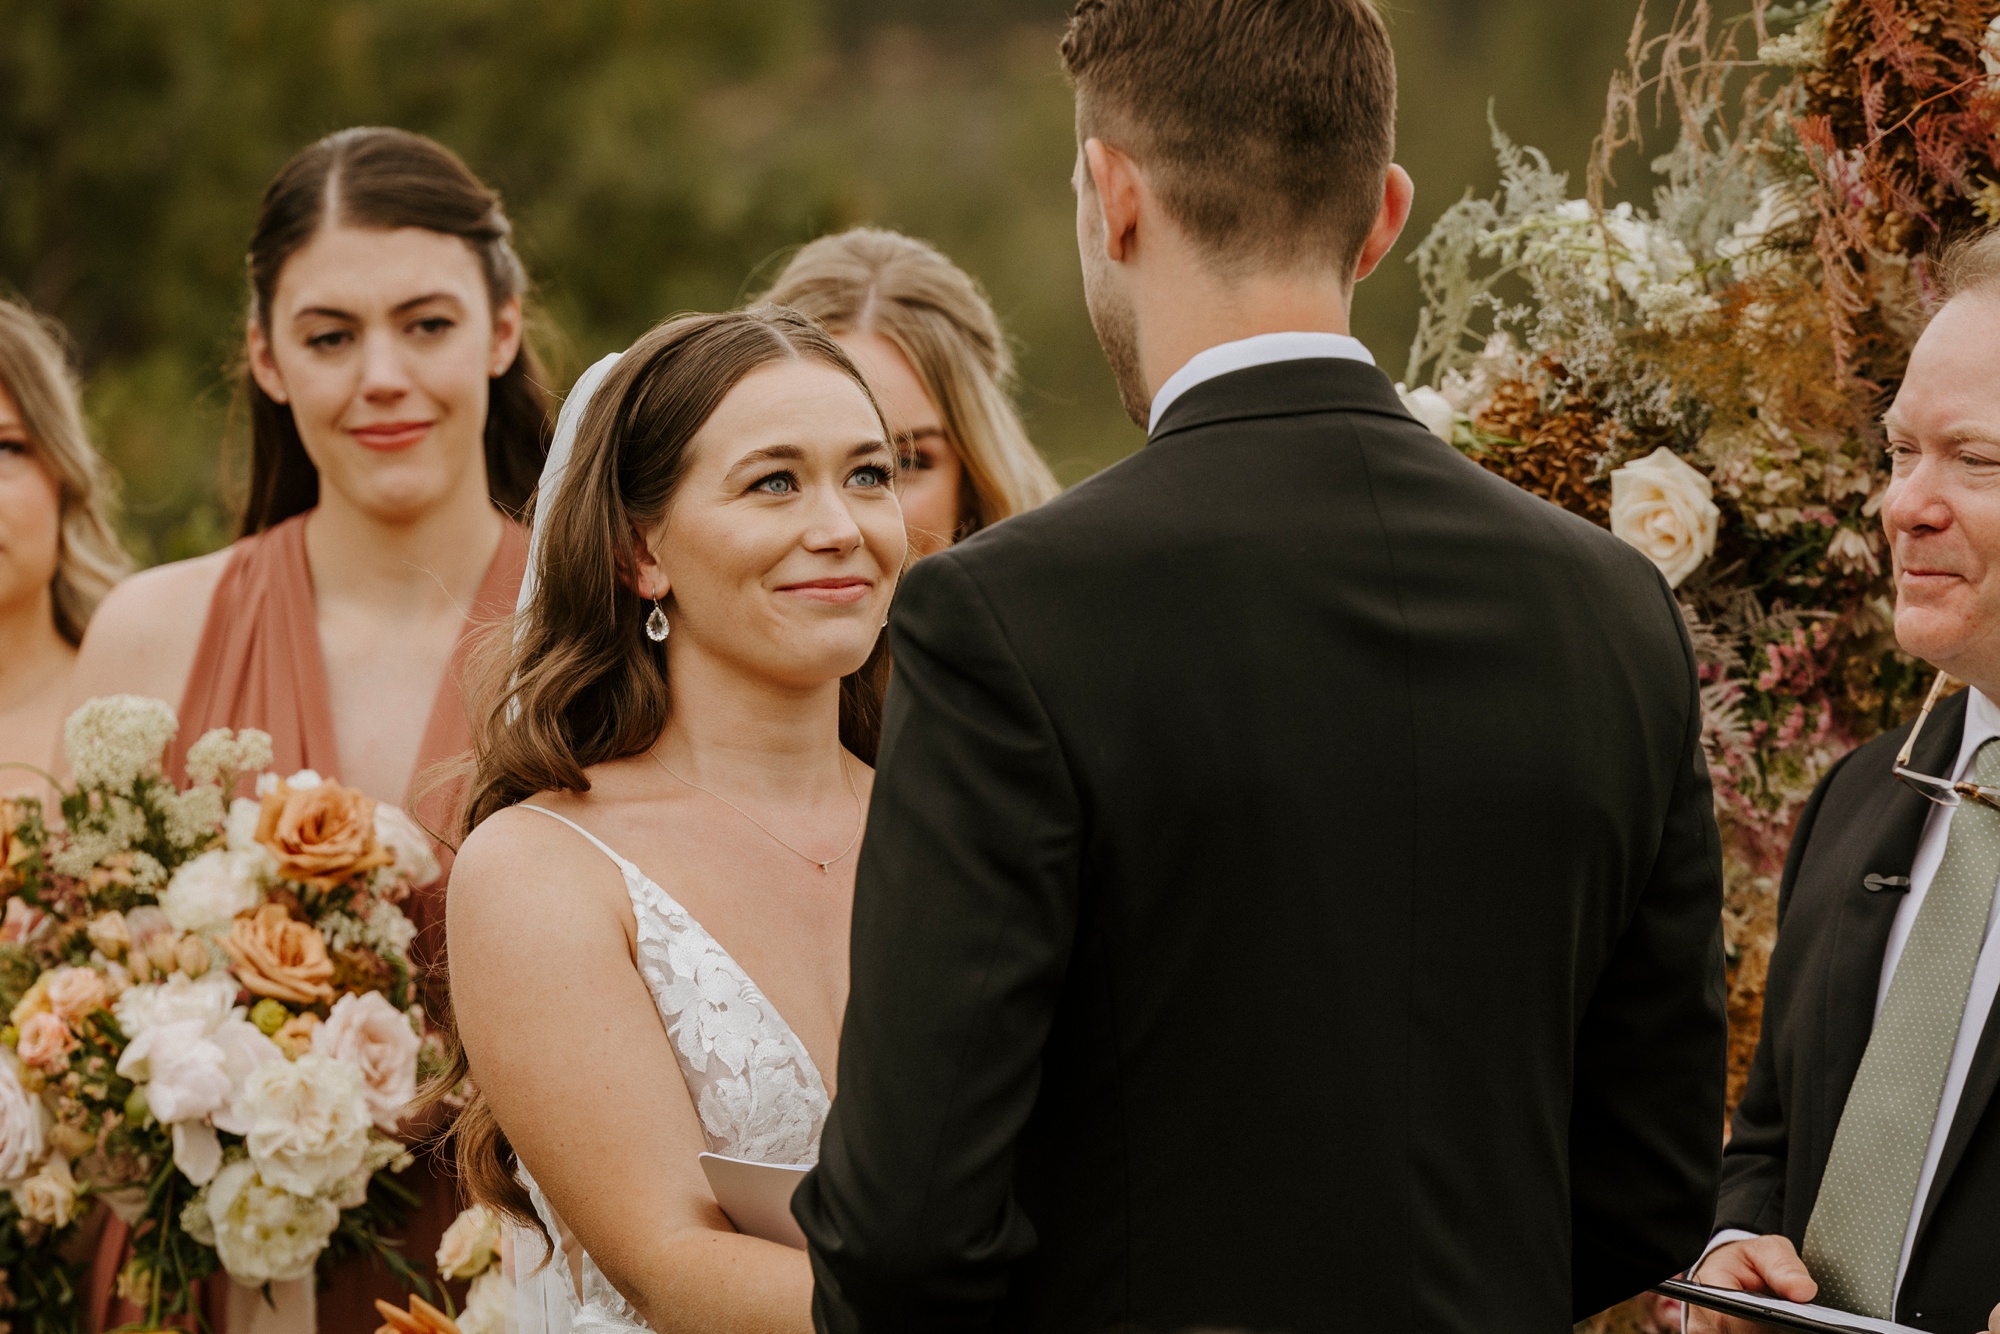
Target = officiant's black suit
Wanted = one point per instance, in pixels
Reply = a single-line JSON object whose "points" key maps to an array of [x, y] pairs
{"points": [[1289, 903], [1819, 1007]]}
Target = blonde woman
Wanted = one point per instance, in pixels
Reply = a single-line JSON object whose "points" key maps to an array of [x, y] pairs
{"points": [[928, 342], [58, 556]]}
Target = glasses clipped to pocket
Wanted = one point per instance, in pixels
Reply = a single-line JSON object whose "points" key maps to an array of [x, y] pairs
{"points": [[1943, 791]]}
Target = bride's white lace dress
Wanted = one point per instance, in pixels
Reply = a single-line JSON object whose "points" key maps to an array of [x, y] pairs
{"points": [[758, 1093]]}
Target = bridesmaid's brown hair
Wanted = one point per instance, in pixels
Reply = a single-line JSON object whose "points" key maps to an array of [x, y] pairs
{"points": [[580, 683], [387, 178]]}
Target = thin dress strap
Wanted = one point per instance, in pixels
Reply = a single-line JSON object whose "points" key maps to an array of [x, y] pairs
{"points": [[627, 867]]}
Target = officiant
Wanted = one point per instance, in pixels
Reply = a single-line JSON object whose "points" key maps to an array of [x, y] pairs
{"points": [[1863, 1171]]}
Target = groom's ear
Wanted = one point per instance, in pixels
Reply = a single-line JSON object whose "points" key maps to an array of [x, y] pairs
{"points": [[1120, 189]]}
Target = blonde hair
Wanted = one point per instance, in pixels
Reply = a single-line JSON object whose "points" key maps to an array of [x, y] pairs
{"points": [[868, 280], [38, 377], [1970, 264]]}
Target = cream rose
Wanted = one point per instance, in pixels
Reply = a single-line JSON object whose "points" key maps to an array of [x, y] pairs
{"points": [[152, 1004], [1431, 408], [470, 1244], [375, 1038], [21, 1139], [415, 865], [192, 1073], [262, 1232], [1666, 509], [489, 1305], [49, 1196], [308, 1122], [208, 892]]}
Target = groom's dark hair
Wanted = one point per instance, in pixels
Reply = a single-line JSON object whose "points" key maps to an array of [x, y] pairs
{"points": [[1266, 126]]}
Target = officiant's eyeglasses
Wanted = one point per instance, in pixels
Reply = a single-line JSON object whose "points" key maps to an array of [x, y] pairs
{"points": [[1943, 791]]}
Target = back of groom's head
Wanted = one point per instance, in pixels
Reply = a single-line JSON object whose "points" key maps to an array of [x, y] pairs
{"points": [[1267, 126]]}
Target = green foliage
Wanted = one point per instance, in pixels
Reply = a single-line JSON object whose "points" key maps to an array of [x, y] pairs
{"points": [[656, 157], [38, 1287]]}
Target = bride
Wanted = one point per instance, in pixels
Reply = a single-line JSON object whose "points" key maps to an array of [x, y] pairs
{"points": [[648, 921]]}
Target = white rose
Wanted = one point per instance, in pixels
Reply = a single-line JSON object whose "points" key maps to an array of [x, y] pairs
{"points": [[49, 1196], [208, 998], [1431, 408], [192, 1074], [298, 782], [375, 1038], [470, 1243], [21, 1141], [1664, 508], [207, 893], [489, 1306], [263, 1233], [416, 866], [308, 1123]]}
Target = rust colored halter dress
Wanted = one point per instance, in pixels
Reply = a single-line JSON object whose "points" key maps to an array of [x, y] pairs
{"points": [[259, 665]]}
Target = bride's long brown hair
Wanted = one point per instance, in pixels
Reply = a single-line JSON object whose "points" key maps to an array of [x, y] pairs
{"points": [[580, 683]]}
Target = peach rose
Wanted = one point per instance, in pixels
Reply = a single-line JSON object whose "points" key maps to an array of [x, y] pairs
{"points": [[45, 1043], [278, 957], [295, 1036], [320, 835], [76, 992]]}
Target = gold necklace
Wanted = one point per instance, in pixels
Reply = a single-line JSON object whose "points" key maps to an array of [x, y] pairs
{"points": [[859, 818]]}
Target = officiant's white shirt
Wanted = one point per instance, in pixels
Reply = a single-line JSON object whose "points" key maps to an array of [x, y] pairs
{"points": [[1982, 724], [1241, 355]]}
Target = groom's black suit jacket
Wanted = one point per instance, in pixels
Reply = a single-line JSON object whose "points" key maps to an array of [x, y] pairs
{"points": [[1289, 903], [1819, 1008]]}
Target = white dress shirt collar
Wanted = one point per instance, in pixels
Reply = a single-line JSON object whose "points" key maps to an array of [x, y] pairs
{"points": [[1982, 724], [1241, 355]]}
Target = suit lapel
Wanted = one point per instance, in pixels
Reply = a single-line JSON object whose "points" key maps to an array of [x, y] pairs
{"points": [[1861, 937], [1980, 1082]]}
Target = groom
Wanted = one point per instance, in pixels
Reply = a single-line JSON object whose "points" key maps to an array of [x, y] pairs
{"points": [[1290, 897]]}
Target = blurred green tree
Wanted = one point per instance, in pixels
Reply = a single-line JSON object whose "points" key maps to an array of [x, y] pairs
{"points": [[657, 155]]}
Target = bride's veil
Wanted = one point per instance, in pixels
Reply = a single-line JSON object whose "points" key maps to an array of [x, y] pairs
{"points": [[557, 467], [545, 1299]]}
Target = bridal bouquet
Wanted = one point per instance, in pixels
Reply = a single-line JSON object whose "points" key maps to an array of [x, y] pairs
{"points": [[1705, 374], [211, 1019]]}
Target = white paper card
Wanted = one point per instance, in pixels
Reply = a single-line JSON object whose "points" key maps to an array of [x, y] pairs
{"points": [[757, 1197]]}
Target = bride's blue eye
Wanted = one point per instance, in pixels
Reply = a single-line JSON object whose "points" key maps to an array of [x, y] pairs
{"points": [[777, 484], [873, 474]]}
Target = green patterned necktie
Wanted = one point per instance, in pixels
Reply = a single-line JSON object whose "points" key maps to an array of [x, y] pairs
{"points": [[1855, 1236]]}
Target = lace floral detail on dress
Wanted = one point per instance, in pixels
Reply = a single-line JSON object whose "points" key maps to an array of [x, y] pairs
{"points": [[756, 1089], [753, 1084]]}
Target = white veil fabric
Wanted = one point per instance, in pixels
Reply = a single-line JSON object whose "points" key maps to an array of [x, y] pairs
{"points": [[568, 422], [545, 1298]]}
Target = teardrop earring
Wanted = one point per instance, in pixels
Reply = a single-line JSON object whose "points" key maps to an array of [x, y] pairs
{"points": [[657, 628]]}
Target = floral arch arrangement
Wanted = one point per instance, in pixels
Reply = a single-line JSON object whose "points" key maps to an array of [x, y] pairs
{"points": [[1705, 376]]}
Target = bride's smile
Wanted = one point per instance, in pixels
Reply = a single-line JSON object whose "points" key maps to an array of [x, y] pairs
{"points": [[780, 550]]}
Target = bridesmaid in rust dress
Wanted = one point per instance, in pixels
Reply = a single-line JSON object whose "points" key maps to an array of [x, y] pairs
{"points": [[398, 427]]}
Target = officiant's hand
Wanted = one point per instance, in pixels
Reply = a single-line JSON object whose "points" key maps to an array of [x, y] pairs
{"points": [[1993, 1322], [1768, 1265]]}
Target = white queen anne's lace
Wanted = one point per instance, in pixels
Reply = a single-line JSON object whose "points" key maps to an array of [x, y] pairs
{"points": [[753, 1084]]}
